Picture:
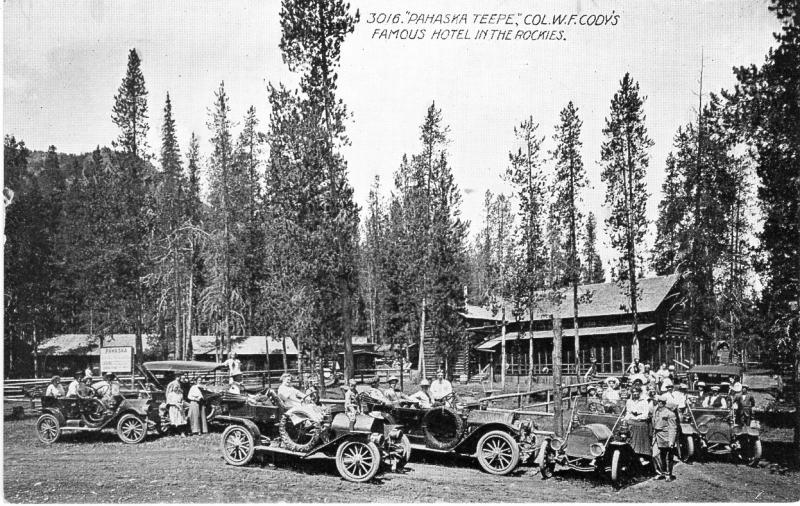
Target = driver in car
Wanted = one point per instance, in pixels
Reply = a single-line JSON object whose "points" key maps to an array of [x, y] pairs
{"points": [[423, 398], [289, 395], [440, 388]]}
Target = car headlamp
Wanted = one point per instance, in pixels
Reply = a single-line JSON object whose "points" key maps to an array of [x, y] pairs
{"points": [[596, 449], [376, 438], [556, 444], [395, 434], [702, 428], [755, 424]]}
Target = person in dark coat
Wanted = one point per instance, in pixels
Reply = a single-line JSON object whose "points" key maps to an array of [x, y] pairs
{"points": [[744, 403], [665, 435]]}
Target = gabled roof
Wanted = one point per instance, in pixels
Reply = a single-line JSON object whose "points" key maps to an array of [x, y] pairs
{"points": [[253, 345], [86, 344], [599, 299]]}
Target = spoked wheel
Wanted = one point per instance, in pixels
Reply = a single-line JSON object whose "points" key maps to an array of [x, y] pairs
{"points": [[358, 461], [498, 453], [131, 429], [48, 429], [686, 448], [238, 446], [404, 453]]}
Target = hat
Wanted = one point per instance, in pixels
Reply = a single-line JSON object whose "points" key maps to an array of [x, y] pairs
{"points": [[683, 386], [737, 387], [424, 383], [392, 378], [701, 383], [671, 368], [715, 388], [610, 380]]}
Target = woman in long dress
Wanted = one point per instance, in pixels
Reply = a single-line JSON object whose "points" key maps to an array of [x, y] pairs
{"points": [[197, 410], [175, 402]]}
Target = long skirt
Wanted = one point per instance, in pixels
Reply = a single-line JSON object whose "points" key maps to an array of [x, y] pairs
{"points": [[197, 417], [176, 416]]}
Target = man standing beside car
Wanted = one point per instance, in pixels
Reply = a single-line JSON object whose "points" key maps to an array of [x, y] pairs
{"points": [[744, 402], [665, 433]]}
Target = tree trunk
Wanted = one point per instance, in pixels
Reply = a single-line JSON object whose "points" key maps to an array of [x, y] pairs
{"points": [[558, 425], [188, 348], [421, 359], [503, 352], [347, 331], [575, 326], [530, 348], [322, 389], [286, 359], [266, 362]]}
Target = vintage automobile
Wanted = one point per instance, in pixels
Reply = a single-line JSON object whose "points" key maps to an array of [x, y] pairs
{"points": [[499, 439], [131, 418], [598, 439], [159, 374], [362, 447], [712, 431]]}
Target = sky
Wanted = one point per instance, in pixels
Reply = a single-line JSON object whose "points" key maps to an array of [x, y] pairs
{"points": [[64, 60]]}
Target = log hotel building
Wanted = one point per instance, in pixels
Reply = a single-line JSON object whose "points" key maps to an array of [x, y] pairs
{"points": [[605, 332]]}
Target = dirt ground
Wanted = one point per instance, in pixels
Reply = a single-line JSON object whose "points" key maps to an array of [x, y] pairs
{"points": [[99, 468]]}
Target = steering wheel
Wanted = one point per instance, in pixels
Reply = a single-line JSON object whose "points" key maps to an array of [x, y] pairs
{"points": [[449, 399]]}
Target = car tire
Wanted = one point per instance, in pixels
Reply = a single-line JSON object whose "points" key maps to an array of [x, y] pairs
{"points": [[686, 448], [616, 467], [48, 428], [96, 415], [238, 445], [432, 419], [131, 428], [498, 452], [289, 437], [358, 461]]}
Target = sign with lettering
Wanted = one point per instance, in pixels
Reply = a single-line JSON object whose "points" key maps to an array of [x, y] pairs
{"points": [[116, 359]]}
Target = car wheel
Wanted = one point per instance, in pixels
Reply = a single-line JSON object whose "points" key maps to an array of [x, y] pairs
{"points": [[498, 452], [442, 428], [358, 461], [94, 413], [686, 448], [405, 455], [131, 429], [48, 429], [238, 446], [617, 467]]}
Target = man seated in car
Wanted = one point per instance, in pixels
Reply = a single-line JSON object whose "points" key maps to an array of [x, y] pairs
{"points": [[423, 399], [393, 394], [289, 395], [374, 390], [85, 388], [72, 390], [440, 388], [715, 400]]}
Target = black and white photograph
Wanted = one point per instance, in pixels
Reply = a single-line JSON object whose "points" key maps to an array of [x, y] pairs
{"points": [[313, 251]]}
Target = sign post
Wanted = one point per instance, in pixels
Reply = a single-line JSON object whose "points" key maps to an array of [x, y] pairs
{"points": [[117, 359]]}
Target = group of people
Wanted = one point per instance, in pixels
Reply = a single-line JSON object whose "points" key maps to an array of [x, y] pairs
{"points": [[428, 395], [178, 399], [82, 386]]}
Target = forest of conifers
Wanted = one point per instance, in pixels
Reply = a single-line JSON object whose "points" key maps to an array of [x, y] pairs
{"points": [[261, 235]]}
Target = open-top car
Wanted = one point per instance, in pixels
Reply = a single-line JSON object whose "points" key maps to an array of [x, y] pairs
{"points": [[499, 439], [599, 439], [160, 373], [131, 417], [708, 430], [363, 445]]}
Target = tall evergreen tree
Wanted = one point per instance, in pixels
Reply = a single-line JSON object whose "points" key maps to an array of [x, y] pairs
{"points": [[593, 271], [624, 156], [569, 181], [130, 109]]}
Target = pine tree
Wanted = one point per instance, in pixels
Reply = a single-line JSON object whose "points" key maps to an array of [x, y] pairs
{"points": [[569, 181], [667, 253], [194, 214], [593, 271], [130, 109], [625, 159]]}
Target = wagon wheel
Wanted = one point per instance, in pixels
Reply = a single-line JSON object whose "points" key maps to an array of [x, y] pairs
{"points": [[358, 461], [131, 429], [238, 446], [48, 429], [498, 453], [686, 448], [298, 438]]}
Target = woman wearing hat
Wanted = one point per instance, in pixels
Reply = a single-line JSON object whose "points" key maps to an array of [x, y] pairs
{"points": [[611, 393], [174, 395], [55, 388]]}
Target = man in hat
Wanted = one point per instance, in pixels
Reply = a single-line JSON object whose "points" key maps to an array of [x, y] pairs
{"points": [[665, 434], [423, 397], [375, 391], [743, 402], [440, 388], [637, 408], [393, 394], [635, 368], [715, 400], [702, 392]]}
